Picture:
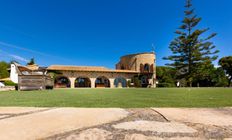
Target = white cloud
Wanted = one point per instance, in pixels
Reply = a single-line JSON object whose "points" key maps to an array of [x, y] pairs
{"points": [[18, 58], [32, 51]]}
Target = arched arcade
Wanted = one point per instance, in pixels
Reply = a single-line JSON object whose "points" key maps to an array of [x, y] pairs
{"points": [[82, 82], [62, 82]]}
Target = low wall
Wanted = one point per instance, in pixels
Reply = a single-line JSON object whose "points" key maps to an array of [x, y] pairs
{"points": [[7, 88], [34, 82]]}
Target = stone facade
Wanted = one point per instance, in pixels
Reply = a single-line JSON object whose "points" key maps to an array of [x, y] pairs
{"points": [[135, 61], [141, 65], [144, 63], [73, 75]]}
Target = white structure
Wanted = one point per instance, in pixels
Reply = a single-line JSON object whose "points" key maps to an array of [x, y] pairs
{"points": [[13, 73], [2, 85], [24, 70]]}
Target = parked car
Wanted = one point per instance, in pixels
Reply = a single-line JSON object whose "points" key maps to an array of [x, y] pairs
{"points": [[2, 85]]}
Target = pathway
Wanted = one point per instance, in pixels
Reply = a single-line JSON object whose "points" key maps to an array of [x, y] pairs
{"points": [[115, 123]]}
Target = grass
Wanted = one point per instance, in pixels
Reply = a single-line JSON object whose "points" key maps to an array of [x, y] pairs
{"points": [[125, 98]]}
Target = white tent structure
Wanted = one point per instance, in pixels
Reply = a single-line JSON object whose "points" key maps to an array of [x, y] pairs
{"points": [[2, 85]]}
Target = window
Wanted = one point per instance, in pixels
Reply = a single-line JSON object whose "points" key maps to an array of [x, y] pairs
{"points": [[146, 68]]}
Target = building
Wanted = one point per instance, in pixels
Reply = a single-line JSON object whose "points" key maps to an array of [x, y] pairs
{"points": [[30, 77], [130, 69]]}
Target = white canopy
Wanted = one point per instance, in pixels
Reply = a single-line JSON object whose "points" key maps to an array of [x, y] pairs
{"points": [[2, 85]]}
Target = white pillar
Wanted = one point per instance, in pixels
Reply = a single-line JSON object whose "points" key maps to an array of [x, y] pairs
{"points": [[92, 82], [72, 82], [112, 83], [154, 83]]}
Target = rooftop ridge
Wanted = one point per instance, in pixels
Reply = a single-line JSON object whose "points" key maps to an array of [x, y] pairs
{"points": [[86, 68], [137, 54]]}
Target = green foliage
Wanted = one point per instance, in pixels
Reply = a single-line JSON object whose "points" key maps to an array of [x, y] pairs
{"points": [[226, 64], [166, 85], [31, 62], [219, 78], [211, 77], [214, 77], [9, 83], [3, 69], [165, 76], [204, 75], [137, 81], [54, 74], [191, 52], [129, 83]]}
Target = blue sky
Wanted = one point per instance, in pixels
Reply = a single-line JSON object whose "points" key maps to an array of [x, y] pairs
{"points": [[98, 32]]}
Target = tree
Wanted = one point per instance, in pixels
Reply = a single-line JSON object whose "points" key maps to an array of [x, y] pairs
{"points": [[165, 76], [226, 64], [215, 77], [31, 62], [190, 51], [219, 78], [3, 69]]}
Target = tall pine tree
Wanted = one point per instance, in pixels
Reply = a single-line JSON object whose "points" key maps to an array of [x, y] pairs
{"points": [[191, 52]]}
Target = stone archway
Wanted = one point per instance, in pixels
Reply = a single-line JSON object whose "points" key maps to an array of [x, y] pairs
{"points": [[62, 82], [120, 82], [82, 82], [101, 82]]}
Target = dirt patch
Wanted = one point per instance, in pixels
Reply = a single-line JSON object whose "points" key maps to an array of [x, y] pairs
{"points": [[201, 131], [155, 126], [207, 116], [212, 131], [91, 134]]}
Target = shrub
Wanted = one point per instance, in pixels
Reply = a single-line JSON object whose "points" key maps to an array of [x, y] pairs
{"points": [[137, 82], [10, 83], [129, 83], [165, 85]]}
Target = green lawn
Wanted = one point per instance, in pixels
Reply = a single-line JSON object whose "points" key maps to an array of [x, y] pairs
{"points": [[125, 98]]}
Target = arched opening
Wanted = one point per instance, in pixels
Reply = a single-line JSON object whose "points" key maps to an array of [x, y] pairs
{"points": [[146, 68], [82, 82], [120, 82], [102, 81], [62, 82], [144, 81]]}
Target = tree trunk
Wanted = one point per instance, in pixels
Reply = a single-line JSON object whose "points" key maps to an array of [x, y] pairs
{"points": [[229, 82]]}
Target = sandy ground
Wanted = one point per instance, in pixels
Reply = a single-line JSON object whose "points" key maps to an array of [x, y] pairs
{"points": [[212, 116], [23, 123]]}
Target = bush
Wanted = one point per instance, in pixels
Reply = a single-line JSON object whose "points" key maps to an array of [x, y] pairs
{"points": [[10, 83], [129, 83], [137, 82], [166, 85]]}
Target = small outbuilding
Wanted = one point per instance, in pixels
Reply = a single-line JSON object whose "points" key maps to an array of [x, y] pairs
{"points": [[30, 77]]}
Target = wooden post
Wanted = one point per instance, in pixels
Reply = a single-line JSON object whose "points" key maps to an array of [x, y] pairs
{"points": [[19, 81]]}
